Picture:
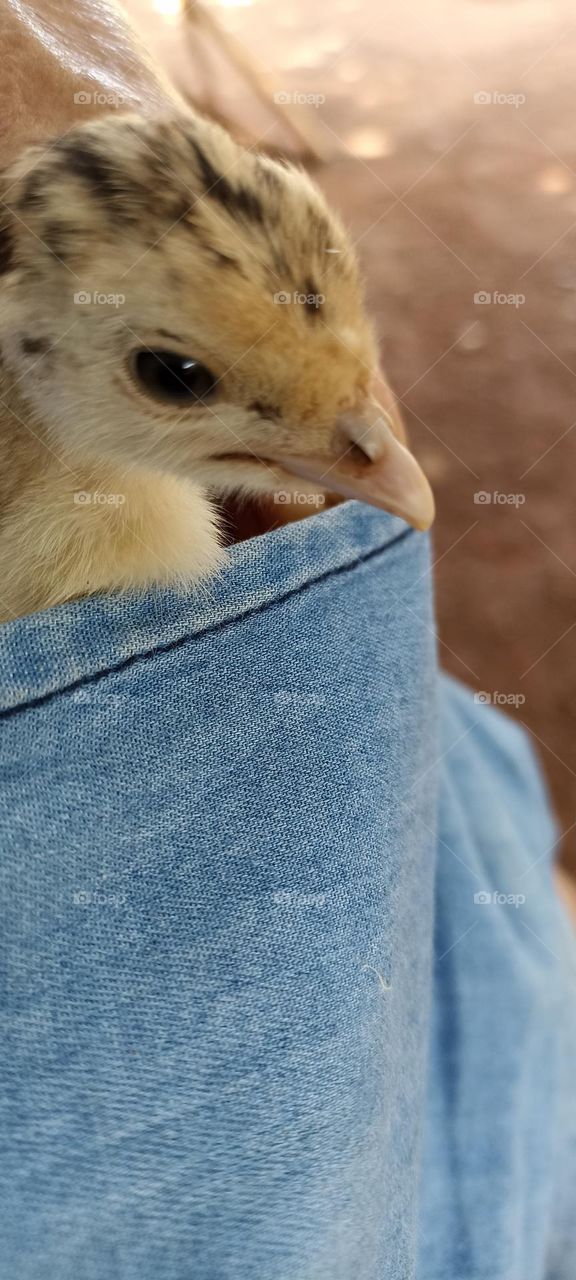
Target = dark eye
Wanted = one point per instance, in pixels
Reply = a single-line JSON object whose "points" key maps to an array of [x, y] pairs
{"points": [[169, 376]]}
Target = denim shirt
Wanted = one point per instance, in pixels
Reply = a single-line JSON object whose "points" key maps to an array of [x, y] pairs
{"points": [[262, 1017]]}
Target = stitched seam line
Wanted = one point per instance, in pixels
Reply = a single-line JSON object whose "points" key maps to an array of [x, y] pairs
{"points": [[179, 643]]}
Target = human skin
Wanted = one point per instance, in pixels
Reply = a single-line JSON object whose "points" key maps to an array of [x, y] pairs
{"points": [[54, 49]]}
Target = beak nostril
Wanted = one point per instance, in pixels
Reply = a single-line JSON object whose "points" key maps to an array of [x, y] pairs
{"points": [[357, 454], [369, 436]]}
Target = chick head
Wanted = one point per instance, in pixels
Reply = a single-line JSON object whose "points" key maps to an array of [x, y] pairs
{"points": [[174, 301]]}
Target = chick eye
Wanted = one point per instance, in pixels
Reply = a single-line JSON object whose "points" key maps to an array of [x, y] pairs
{"points": [[169, 376]]}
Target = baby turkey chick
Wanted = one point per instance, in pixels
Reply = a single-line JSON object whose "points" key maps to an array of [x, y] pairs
{"points": [[180, 320]]}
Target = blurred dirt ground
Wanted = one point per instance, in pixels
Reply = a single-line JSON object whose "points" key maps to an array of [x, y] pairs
{"points": [[456, 173]]}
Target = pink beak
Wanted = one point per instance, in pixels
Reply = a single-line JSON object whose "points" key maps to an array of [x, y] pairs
{"points": [[388, 475]]}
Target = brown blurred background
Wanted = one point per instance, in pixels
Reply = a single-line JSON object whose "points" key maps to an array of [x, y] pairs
{"points": [[448, 144]]}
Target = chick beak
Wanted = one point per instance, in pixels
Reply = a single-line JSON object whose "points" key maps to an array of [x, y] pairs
{"points": [[371, 464]]}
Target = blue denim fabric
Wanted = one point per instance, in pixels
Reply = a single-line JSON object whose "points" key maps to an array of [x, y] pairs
{"points": [[226, 1052], [498, 1182]]}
